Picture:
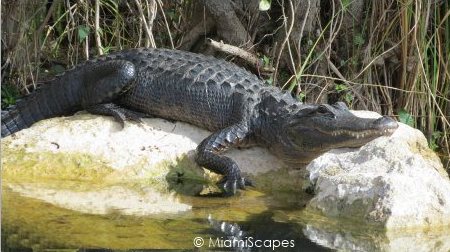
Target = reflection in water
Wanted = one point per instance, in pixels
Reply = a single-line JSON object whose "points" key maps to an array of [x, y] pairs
{"points": [[261, 233], [28, 222], [437, 240], [43, 222]]}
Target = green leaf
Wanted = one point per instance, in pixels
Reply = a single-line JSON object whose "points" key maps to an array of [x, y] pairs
{"points": [[270, 81], [345, 4], [348, 98], [405, 117], [83, 32], [264, 5], [106, 49], [359, 40], [9, 95], [172, 14], [301, 97], [266, 61], [435, 136], [341, 87]]}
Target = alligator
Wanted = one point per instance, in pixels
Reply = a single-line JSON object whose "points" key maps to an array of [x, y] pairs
{"points": [[234, 104]]}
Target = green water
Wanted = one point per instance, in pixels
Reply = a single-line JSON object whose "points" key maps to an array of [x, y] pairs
{"points": [[36, 224], [33, 224], [272, 215], [29, 223]]}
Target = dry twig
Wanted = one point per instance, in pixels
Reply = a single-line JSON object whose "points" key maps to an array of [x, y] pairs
{"points": [[97, 27], [150, 42], [234, 50]]}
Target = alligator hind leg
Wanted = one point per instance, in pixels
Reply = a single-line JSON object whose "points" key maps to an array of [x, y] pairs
{"points": [[208, 156], [104, 81], [119, 113]]}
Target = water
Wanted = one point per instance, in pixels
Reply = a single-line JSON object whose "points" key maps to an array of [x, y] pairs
{"points": [[36, 224], [268, 222]]}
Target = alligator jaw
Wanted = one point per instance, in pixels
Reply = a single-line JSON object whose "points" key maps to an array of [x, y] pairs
{"points": [[383, 126], [362, 134], [362, 131], [309, 137]]}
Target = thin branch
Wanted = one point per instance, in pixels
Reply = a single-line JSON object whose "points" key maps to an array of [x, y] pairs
{"points": [[301, 32], [86, 44], [147, 25], [97, 27], [288, 33], [46, 19], [166, 23], [234, 50]]}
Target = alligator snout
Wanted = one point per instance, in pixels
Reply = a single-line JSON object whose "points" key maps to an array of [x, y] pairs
{"points": [[386, 125]]}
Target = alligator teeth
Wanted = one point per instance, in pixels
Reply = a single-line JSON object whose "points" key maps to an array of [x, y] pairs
{"points": [[360, 134]]}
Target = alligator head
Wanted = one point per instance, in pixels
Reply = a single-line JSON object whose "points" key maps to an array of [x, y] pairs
{"points": [[316, 129]]}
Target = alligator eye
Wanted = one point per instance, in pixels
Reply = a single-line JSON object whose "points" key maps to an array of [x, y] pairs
{"points": [[323, 109], [325, 112]]}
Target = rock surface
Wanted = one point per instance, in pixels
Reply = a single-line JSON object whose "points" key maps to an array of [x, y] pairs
{"points": [[147, 145], [394, 181], [95, 149]]}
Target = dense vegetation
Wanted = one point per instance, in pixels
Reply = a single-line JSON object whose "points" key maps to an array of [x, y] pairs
{"points": [[390, 56]]}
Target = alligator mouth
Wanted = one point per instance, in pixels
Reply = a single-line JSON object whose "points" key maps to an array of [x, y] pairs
{"points": [[364, 133], [383, 126]]}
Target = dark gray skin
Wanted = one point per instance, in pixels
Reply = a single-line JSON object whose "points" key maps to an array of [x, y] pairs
{"points": [[207, 92]]}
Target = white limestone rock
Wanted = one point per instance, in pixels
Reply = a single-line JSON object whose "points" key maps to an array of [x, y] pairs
{"points": [[145, 145], [138, 152], [394, 181]]}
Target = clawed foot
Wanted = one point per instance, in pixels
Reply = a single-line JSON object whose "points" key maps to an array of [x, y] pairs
{"points": [[230, 184], [208, 156], [120, 114]]}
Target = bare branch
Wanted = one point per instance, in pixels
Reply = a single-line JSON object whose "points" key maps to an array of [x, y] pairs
{"points": [[97, 27], [243, 54], [148, 25]]}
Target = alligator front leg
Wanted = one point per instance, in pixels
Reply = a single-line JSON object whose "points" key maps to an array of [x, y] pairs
{"points": [[208, 155]]}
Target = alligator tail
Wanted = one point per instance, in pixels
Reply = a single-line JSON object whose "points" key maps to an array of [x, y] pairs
{"points": [[95, 82], [57, 98]]}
